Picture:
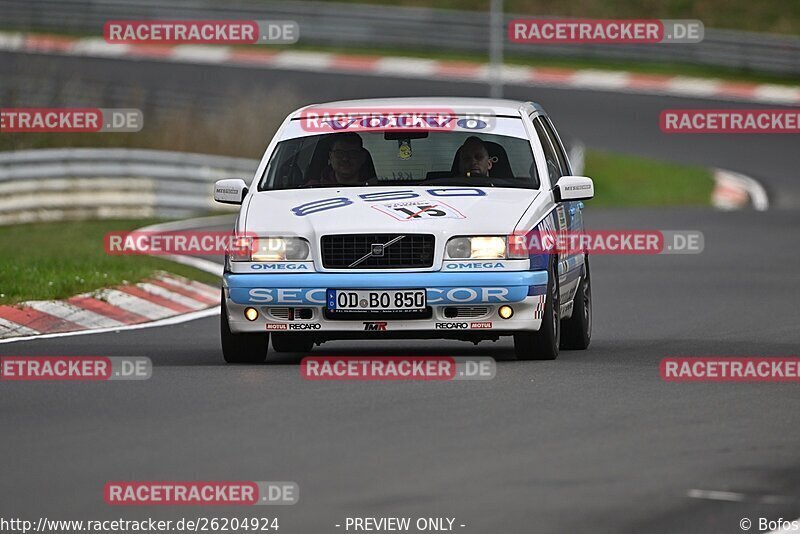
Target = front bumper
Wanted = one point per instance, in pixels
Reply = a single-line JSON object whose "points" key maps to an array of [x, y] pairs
{"points": [[524, 291]]}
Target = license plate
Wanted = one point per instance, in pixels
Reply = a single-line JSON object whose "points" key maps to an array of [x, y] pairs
{"points": [[376, 300]]}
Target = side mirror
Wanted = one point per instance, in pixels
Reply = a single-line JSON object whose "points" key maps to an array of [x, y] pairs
{"points": [[573, 188], [230, 191]]}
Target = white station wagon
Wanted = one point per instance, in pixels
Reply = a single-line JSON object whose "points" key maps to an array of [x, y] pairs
{"points": [[407, 218]]}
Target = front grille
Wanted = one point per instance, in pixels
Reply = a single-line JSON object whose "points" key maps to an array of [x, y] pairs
{"points": [[340, 251], [467, 312], [279, 313]]}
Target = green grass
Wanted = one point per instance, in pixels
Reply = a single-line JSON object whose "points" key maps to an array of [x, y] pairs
{"points": [[622, 180], [61, 259]]}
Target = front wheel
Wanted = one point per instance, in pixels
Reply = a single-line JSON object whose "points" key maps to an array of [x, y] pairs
{"points": [[543, 344], [240, 348], [577, 330]]}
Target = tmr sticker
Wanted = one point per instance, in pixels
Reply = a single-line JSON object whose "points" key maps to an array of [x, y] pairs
{"points": [[419, 210]]}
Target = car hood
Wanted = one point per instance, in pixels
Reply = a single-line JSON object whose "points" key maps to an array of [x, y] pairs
{"points": [[444, 211]]}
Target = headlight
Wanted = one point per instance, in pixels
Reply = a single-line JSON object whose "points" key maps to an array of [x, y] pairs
{"points": [[271, 249], [484, 248], [476, 248]]}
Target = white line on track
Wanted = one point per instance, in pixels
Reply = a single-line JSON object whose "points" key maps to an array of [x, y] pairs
{"points": [[731, 496], [177, 319], [714, 495]]}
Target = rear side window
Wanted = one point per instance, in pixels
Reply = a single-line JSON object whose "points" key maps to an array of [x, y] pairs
{"points": [[554, 168], [559, 148]]}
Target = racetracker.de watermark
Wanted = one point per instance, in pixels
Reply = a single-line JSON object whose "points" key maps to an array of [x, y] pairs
{"points": [[423, 368], [235, 32], [623, 242], [227, 493], [75, 368], [744, 121], [195, 243], [730, 369], [328, 120], [70, 120], [605, 31]]}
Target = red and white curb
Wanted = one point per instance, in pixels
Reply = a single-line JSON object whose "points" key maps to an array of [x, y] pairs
{"points": [[406, 67], [735, 191], [165, 296]]}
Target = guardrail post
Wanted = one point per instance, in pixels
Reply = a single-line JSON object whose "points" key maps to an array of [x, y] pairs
{"points": [[496, 36]]}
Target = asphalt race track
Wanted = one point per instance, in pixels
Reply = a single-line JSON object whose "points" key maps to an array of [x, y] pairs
{"points": [[592, 442]]}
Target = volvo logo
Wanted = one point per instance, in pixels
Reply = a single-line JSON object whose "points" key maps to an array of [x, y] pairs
{"points": [[376, 250]]}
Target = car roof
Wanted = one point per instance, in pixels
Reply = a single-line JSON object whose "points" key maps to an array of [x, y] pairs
{"points": [[490, 106]]}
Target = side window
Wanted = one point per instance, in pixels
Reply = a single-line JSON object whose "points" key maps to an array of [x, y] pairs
{"points": [[553, 164], [284, 170], [562, 157]]}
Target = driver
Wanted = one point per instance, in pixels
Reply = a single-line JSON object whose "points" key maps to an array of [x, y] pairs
{"points": [[473, 158], [346, 162]]}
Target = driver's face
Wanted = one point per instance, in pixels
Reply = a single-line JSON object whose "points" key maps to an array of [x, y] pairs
{"points": [[474, 159], [346, 159]]}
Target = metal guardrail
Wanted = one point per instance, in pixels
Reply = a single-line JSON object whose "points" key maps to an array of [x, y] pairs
{"points": [[56, 184], [358, 25]]}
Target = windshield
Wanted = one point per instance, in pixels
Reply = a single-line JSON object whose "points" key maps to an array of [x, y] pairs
{"points": [[391, 158]]}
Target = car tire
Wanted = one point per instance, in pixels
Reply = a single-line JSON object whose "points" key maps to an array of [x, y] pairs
{"points": [[292, 342], [576, 332], [241, 348], [543, 343]]}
